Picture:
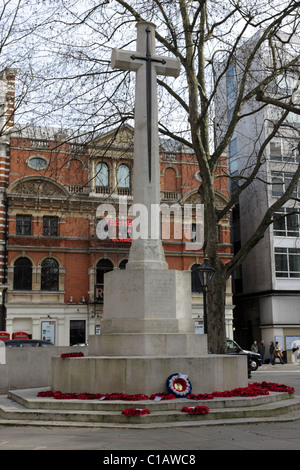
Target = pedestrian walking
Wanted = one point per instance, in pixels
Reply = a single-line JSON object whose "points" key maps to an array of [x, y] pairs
{"points": [[271, 350], [262, 350], [278, 352], [295, 351]]}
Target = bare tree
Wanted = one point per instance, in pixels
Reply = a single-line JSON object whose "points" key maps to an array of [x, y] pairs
{"points": [[208, 38], [20, 23]]}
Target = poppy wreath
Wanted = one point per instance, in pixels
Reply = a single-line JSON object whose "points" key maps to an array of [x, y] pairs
{"points": [[195, 410], [200, 396], [179, 385], [135, 411], [136, 397], [64, 396], [162, 396], [89, 396], [46, 394], [273, 387], [184, 386], [124, 396], [74, 354]]}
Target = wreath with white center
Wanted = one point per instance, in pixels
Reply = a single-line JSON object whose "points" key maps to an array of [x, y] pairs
{"points": [[179, 385]]}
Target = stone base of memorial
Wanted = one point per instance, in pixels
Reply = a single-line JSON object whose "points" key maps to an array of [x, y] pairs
{"points": [[146, 375], [147, 333]]}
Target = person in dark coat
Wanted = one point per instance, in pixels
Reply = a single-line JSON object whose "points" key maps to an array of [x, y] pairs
{"points": [[262, 350], [272, 358]]}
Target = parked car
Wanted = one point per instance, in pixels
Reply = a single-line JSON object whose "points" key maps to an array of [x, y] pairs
{"points": [[234, 348], [25, 343]]}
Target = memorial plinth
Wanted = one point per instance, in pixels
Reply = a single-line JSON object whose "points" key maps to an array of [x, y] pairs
{"points": [[147, 330], [147, 375], [147, 315], [147, 334]]}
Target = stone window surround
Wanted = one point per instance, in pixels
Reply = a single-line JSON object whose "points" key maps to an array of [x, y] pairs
{"points": [[36, 273], [113, 165]]}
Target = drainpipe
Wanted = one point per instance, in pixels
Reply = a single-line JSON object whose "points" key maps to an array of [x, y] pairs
{"points": [[4, 279]]}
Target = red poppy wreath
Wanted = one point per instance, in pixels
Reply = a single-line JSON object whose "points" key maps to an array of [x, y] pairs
{"points": [[135, 411], [195, 410]]}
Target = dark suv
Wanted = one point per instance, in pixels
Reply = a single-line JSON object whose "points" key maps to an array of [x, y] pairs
{"points": [[234, 348], [26, 343]]}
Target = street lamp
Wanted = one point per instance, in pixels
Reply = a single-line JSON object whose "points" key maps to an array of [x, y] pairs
{"points": [[205, 273]]}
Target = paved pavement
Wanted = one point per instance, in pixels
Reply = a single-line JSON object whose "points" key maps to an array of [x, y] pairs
{"points": [[157, 444]]}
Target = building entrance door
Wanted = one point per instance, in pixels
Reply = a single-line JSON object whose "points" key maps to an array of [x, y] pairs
{"points": [[77, 332]]}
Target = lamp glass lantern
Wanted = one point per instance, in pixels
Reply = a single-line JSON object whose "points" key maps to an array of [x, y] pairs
{"points": [[205, 273]]}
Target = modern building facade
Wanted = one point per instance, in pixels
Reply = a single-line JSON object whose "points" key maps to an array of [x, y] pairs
{"points": [[267, 287]]}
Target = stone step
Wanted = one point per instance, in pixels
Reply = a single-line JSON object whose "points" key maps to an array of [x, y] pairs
{"points": [[29, 399], [23, 407]]}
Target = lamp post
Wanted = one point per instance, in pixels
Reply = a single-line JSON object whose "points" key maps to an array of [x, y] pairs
{"points": [[205, 273]]}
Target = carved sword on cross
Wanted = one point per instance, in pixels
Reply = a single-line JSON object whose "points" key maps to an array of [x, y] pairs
{"points": [[149, 59], [133, 61]]}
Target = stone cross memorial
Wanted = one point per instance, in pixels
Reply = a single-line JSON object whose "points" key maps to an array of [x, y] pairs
{"points": [[146, 252], [149, 297], [147, 329]]}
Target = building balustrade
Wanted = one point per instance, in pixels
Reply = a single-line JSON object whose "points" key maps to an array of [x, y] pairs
{"points": [[170, 195]]}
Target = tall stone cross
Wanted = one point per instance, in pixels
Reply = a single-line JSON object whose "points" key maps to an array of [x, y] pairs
{"points": [[146, 178]]}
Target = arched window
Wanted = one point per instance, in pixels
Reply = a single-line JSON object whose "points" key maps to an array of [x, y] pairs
{"points": [[103, 266], [102, 174], [123, 176], [123, 263], [196, 284], [170, 179], [23, 274], [50, 275]]}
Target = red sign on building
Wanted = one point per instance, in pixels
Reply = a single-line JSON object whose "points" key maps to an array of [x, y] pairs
{"points": [[122, 228], [99, 293]]}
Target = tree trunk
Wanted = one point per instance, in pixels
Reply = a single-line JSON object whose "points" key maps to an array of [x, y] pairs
{"points": [[216, 296]]}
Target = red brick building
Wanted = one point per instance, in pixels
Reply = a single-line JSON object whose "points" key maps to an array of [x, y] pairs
{"points": [[53, 261]]}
